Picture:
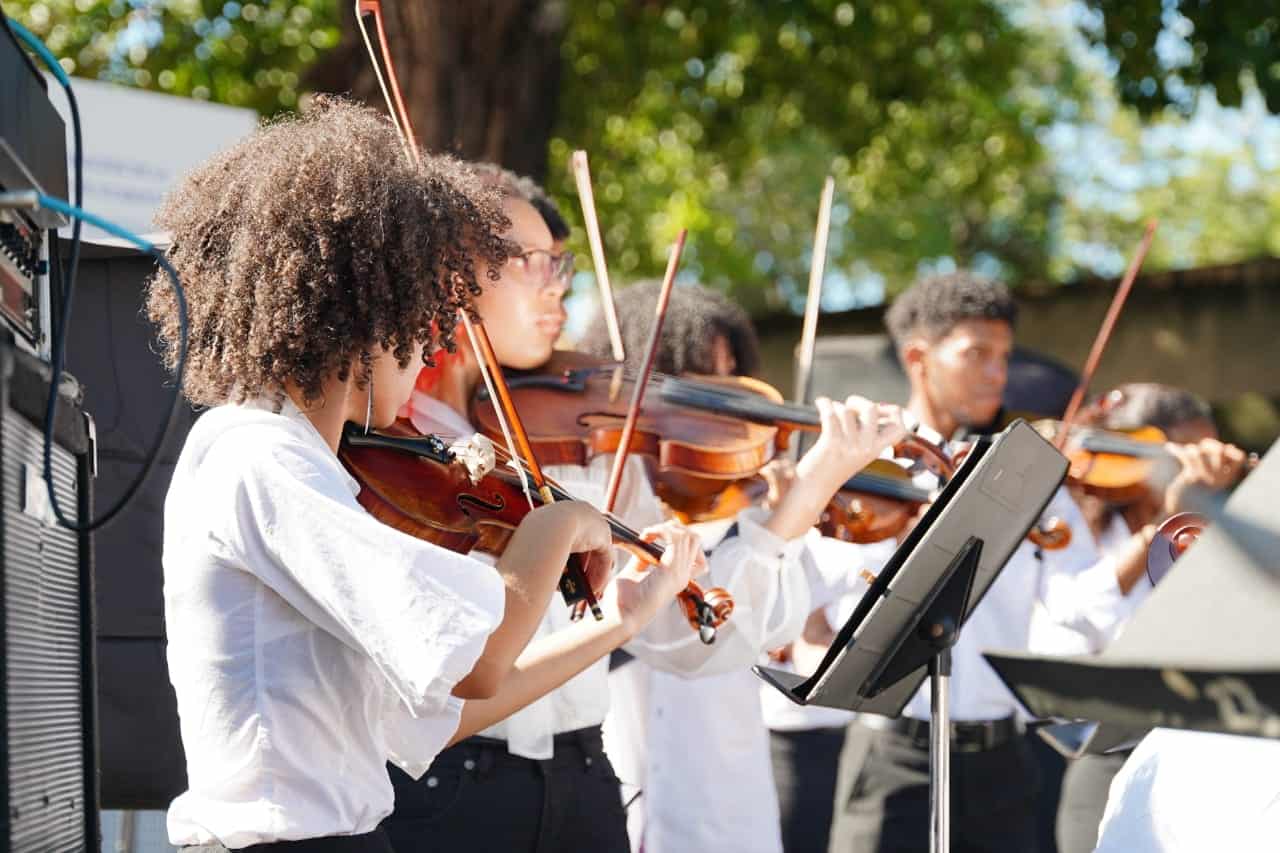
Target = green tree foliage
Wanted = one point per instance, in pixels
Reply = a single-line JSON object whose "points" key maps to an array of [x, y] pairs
{"points": [[725, 116], [1164, 49], [246, 54], [1212, 182], [722, 116]]}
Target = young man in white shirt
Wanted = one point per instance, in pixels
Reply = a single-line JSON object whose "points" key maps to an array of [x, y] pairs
{"points": [[309, 642], [954, 334]]}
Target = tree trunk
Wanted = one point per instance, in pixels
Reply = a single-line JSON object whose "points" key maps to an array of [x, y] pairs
{"points": [[480, 78]]}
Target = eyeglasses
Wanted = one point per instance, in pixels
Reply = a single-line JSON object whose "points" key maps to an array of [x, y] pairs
{"points": [[542, 267]]}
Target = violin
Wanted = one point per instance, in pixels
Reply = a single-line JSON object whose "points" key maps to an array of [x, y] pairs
{"points": [[875, 504], [456, 497], [1116, 466], [706, 438], [575, 409]]}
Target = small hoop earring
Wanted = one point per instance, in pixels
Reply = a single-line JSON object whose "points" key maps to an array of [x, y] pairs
{"points": [[368, 412]]}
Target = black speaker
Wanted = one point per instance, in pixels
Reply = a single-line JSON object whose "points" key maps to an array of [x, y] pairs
{"points": [[48, 764], [109, 350]]}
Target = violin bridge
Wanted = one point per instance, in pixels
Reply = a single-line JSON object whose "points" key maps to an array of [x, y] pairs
{"points": [[476, 454]]}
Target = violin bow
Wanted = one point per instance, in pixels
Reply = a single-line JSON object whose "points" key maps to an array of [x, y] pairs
{"points": [[817, 267], [650, 355], [702, 614], [582, 177], [637, 396], [813, 302], [512, 427], [1104, 334]]}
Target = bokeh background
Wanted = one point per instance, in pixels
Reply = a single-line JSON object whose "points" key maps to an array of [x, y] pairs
{"points": [[1029, 139]]}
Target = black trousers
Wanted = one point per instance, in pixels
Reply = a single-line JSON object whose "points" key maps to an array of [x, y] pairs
{"points": [[1084, 798], [804, 771], [882, 796], [480, 798], [1052, 766], [371, 842]]}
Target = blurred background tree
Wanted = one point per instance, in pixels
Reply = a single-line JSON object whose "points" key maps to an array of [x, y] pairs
{"points": [[959, 133]]}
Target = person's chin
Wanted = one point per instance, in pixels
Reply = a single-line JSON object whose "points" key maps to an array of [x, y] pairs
{"points": [[531, 360], [982, 415]]}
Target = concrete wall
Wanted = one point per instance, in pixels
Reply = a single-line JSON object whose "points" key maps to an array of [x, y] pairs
{"points": [[1215, 331]]}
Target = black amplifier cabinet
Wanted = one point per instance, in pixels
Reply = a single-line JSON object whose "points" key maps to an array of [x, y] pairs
{"points": [[33, 156], [48, 764]]}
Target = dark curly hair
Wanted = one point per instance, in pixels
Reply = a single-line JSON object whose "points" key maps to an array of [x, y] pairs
{"points": [[312, 241], [531, 191], [695, 316], [934, 305]]}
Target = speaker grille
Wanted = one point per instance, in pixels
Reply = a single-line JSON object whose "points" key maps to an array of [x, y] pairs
{"points": [[43, 666]]}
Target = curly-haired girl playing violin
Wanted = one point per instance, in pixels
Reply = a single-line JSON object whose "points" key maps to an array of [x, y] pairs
{"points": [[307, 641]]}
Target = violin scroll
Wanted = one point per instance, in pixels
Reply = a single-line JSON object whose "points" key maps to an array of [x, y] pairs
{"points": [[1050, 534], [706, 610], [1173, 537]]}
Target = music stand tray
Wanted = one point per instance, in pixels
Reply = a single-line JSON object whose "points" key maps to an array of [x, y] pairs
{"points": [[904, 626], [1200, 653]]}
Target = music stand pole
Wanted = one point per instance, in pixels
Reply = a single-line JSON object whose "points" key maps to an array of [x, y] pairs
{"points": [[940, 752]]}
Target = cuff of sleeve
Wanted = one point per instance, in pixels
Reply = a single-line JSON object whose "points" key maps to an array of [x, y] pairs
{"points": [[1100, 579], [454, 643], [414, 743], [761, 540]]}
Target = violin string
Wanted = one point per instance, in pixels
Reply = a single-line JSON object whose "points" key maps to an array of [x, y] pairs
{"points": [[497, 406], [561, 493]]}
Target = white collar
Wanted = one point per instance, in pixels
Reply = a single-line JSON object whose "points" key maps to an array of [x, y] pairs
{"points": [[443, 417]]}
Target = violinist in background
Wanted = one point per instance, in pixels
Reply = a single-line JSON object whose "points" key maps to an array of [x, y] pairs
{"points": [[1124, 526], [699, 749], [537, 778], [954, 335]]}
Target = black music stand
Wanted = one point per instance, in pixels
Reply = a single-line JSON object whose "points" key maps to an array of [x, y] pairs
{"points": [[1200, 653], [905, 625]]}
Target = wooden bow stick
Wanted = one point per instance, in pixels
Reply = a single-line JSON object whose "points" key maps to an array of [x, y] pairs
{"points": [[574, 585], [582, 177], [1104, 334]]}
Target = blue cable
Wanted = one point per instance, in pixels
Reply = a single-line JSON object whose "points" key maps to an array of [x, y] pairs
{"points": [[71, 210], [38, 47], [183, 335]]}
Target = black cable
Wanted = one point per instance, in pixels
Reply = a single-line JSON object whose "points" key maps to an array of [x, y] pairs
{"points": [[61, 324]]}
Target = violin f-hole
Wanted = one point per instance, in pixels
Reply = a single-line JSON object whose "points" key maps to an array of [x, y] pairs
{"points": [[469, 502]]}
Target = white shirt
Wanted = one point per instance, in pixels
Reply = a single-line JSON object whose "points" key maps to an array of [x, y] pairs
{"points": [[1189, 792], [1096, 626], [1071, 584], [839, 563], [699, 748], [307, 641], [747, 565]]}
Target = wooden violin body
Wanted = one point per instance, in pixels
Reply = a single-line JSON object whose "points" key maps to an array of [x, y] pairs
{"points": [[875, 504], [574, 408], [1118, 467], [429, 496], [414, 484]]}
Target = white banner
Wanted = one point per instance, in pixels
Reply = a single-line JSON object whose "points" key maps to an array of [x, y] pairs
{"points": [[138, 144]]}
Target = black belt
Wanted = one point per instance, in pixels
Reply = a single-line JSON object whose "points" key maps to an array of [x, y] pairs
{"points": [[574, 748], [966, 736]]}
